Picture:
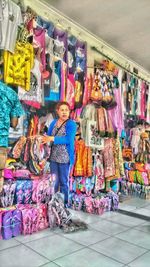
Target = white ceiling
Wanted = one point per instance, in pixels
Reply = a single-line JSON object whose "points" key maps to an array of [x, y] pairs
{"points": [[124, 24]]}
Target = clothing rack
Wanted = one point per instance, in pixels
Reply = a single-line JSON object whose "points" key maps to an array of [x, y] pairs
{"points": [[118, 64], [45, 10]]}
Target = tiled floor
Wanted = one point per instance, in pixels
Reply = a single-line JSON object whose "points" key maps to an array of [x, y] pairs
{"points": [[112, 240], [136, 205]]}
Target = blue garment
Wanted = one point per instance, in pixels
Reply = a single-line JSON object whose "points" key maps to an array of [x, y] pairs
{"points": [[61, 171], [49, 26], [56, 87], [10, 107], [67, 140]]}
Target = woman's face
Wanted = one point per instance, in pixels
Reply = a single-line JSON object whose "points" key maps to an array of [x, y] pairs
{"points": [[63, 112]]}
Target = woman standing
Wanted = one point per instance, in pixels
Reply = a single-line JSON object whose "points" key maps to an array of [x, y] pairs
{"points": [[62, 133]]}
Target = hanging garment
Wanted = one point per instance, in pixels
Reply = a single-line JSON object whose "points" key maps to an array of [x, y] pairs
{"points": [[17, 66], [55, 89], [79, 89], [105, 125], [47, 76], [47, 25], [83, 163], [116, 114], [63, 81], [143, 101], [78, 168], [71, 54], [98, 170], [81, 56], [148, 106], [35, 92], [118, 159], [60, 44], [88, 89], [108, 153], [39, 42], [10, 19], [70, 91]]}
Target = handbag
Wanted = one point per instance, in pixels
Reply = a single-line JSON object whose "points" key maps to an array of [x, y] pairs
{"points": [[127, 154]]}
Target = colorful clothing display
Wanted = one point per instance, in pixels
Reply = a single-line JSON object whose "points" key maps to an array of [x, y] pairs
{"points": [[104, 146], [9, 107]]}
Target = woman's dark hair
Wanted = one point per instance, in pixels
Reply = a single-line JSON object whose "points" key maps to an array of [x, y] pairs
{"points": [[60, 103]]}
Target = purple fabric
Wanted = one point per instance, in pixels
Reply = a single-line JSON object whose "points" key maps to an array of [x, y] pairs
{"points": [[116, 114], [71, 54], [62, 37], [6, 225], [16, 222]]}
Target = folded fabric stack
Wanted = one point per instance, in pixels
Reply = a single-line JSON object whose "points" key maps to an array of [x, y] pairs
{"points": [[96, 204]]}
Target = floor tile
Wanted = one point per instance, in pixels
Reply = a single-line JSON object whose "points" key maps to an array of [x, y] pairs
{"points": [[147, 207], [136, 237], [118, 249], [145, 227], [87, 258], [109, 214], [109, 228], [20, 257], [86, 237], [34, 236], [8, 243], [137, 202], [126, 220], [86, 217], [126, 207], [143, 261], [51, 264], [54, 246], [142, 211]]}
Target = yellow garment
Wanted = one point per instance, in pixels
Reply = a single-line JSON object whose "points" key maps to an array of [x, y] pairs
{"points": [[17, 66]]}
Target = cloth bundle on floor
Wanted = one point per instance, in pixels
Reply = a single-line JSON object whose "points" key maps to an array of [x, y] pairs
{"points": [[7, 194], [34, 218], [11, 223], [95, 204], [60, 216]]}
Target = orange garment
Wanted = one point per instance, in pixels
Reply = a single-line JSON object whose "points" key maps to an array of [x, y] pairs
{"points": [[78, 168], [87, 162], [132, 176], [83, 163]]}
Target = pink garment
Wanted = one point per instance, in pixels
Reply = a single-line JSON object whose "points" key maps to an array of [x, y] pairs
{"points": [[116, 113], [87, 90], [39, 41], [109, 160], [70, 92], [63, 80], [34, 104], [143, 101], [85, 95], [148, 105]]}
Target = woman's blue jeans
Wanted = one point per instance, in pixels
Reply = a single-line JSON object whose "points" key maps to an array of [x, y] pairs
{"points": [[61, 171]]}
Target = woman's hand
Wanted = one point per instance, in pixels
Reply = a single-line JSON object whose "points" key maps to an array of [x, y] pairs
{"points": [[46, 139]]}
